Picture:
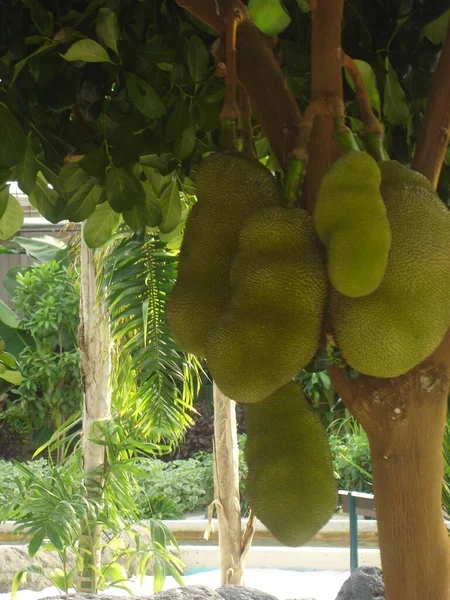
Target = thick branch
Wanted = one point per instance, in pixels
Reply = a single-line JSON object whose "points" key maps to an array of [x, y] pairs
{"points": [[326, 72], [435, 133], [275, 106]]}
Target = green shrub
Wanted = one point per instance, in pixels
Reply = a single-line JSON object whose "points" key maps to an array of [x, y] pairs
{"points": [[12, 483], [351, 455]]}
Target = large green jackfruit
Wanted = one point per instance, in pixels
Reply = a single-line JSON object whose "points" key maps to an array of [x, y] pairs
{"points": [[290, 484], [350, 219], [398, 326], [230, 186], [272, 326]]}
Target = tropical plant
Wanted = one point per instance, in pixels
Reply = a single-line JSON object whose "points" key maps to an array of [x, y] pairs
{"points": [[46, 298], [56, 508], [154, 382]]}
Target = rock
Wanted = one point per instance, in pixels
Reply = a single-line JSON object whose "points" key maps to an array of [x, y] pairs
{"points": [[238, 592], [14, 558], [190, 592], [365, 583]]}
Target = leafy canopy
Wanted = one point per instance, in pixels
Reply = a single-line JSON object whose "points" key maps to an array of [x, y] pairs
{"points": [[107, 106]]}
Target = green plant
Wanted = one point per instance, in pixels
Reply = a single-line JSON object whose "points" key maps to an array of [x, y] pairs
{"points": [[55, 509], [351, 453], [160, 380], [46, 297]]}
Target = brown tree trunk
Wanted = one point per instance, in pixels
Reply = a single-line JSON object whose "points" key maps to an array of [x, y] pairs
{"points": [[404, 419]]}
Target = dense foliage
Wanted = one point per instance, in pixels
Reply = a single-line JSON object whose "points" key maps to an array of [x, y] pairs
{"points": [[129, 88]]}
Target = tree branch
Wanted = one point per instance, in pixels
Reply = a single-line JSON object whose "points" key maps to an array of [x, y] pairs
{"points": [[326, 72], [274, 104], [435, 132]]}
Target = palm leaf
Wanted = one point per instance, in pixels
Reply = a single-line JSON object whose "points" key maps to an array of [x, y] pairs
{"points": [[154, 382]]}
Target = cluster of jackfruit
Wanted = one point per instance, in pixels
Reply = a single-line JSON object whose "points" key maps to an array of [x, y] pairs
{"points": [[251, 293], [393, 329]]}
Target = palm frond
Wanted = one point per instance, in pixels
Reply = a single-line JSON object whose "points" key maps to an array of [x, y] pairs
{"points": [[154, 382]]}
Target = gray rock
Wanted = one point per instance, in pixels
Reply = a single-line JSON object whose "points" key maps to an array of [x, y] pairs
{"points": [[238, 592], [190, 592], [14, 558], [365, 583]]}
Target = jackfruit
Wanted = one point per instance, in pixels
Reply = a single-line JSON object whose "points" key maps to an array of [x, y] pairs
{"points": [[272, 326], [394, 329], [350, 219], [290, 484], [230, 186]]}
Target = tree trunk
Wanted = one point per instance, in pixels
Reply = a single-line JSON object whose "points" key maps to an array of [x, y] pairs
{"points": [[226, 489], [407, 473], [94, 344], [404, 419]]}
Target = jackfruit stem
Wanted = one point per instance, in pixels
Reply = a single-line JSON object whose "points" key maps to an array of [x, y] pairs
{"points": [[245, 133], [347, 140], [293, 183], [230, 110], [374, 146], [371, 123]]}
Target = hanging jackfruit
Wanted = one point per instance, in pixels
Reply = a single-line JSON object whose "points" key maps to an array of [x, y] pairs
{"points": [[290, 484], [230, 186], [350, 219], [398, 326], [272, 326]]}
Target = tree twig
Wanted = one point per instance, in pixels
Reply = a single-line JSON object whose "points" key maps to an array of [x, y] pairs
{"points": [[258, 70], [246, 122], [435, 132]]}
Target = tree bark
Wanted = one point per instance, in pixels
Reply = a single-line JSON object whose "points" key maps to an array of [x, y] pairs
{"points": [[94, 344], [404, 419], [435, 132], [226, 489]]}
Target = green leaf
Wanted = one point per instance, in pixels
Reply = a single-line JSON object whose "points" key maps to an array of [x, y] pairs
{"points": [[14, 377], [86, 50], [154, 214], [370, 83], [303, 6], [12, 219], [197, 58], [8, 317], [83, 202], [395, 106], [136, 218], [8, 359], [54, 536], [4, 197], [46, 200], [170, 207], [144, 97], [17, 580], [72, 177], [269, 16], [43, 249], [42, 18], [185, 144], [107, 28], [100, 226], [26, 170], [12, 138], [59, 580], [122, 188], [115, 572], [436, 30]]}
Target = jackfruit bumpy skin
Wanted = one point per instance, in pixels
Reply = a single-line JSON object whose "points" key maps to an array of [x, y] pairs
{"points": [[350, 219], [290, 483], [394, 329], [230, 186], [272, 326]]}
